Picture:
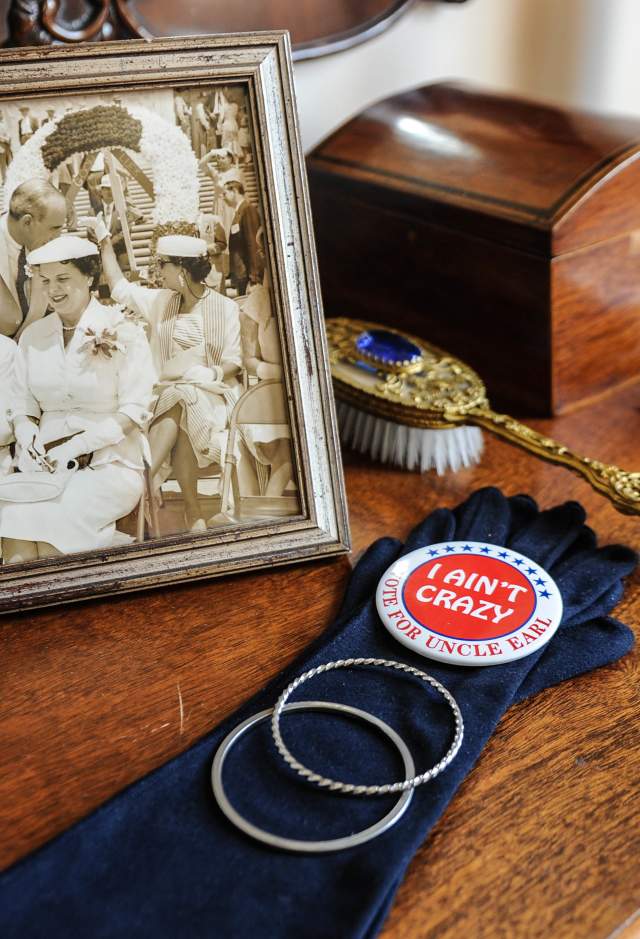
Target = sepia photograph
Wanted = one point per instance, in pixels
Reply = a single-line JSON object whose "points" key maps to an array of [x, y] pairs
{"points": [[143, 391], [141, 355]]}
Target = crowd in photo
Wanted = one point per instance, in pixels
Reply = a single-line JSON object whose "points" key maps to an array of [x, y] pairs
{"points": [[124, 351], [215, 119]]}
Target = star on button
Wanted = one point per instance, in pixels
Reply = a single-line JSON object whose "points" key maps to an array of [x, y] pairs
{"points": [[540, 581], [485, 550], [518, 561], [502, 554], [449, 549], [545, 593], [467, 547], [433, 552], [531, 570]]}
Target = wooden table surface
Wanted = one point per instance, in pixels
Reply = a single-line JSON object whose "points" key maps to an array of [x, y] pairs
{"points": [[542, 839]]}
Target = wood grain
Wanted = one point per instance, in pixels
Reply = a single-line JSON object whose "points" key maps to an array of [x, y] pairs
{"points": [[316, 29], [605, 207], [472, 216], [96, 696], [373, 260], [542, 839], [503, 155], [595, 299], [301, 17]]}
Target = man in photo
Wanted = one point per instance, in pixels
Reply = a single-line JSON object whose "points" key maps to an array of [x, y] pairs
{"points": [[246, 262], [219, 165], [37, 214], [212, 231], [201, 126], [183, 115], [27, 126], [93, 180]]}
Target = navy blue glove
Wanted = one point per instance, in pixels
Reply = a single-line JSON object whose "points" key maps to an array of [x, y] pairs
{"points": [[160, 859]]}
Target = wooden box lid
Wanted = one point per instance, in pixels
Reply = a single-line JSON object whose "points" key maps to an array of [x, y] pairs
{"points": [[535, 176]]}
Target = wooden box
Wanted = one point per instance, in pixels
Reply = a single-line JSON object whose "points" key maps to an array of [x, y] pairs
{"points": [[503, 230]]}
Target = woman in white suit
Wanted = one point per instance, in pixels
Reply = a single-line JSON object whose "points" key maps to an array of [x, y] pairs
{"points": [[81, 396]]}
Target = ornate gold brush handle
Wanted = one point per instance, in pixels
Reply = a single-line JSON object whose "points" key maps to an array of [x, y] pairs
{"points": [[622, 488]]}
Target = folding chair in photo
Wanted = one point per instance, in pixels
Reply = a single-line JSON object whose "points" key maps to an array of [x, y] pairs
{"points": [[262, 403]]}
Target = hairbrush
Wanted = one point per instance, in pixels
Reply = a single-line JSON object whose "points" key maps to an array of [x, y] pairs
{"points": [[404, 401]]}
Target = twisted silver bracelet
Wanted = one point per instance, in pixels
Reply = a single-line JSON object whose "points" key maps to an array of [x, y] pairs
{"points": [[335, 785]]}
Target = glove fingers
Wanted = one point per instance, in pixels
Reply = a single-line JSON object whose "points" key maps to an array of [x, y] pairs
{"points": [[596, 643], [585, 541], [367, 572], [550, 534], [438, 526], [484, 516], [600, 607], [584, 577], [524, 510]]}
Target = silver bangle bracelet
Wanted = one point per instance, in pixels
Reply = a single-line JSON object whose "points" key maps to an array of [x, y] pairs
{"points": [[337, 786], [294, 844]]}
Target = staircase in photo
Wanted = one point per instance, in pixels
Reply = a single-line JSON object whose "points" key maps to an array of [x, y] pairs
{"points": [[139, 200]]}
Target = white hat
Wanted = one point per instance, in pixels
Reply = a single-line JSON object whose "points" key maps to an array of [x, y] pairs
{"points": [[105, 182], [64, 248], [181, 246], [233, 176]]}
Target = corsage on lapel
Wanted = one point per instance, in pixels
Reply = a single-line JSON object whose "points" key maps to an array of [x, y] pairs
{"points": [[101, 342]]}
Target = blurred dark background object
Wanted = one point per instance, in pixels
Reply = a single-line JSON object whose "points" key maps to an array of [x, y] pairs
{"points": [[317, 27], [504, 230]]}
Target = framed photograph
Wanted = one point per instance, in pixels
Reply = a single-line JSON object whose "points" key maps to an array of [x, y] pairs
{"points": [[166, 410]]}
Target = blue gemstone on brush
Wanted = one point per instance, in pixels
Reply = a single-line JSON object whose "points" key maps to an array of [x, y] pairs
{"points": [[387, 347]]}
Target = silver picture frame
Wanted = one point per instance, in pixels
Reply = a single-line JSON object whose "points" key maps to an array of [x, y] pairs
{"points": [[261, 62]]}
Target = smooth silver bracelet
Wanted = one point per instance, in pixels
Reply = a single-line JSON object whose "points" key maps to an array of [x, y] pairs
{"points": [[294, 844], [375, 790]]}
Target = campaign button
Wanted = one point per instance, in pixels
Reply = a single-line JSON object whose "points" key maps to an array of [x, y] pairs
{"points": [[469, 603]]}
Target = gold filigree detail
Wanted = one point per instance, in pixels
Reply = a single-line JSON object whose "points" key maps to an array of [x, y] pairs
{"points": [[435, 384], [441, 391], [621, 487]]}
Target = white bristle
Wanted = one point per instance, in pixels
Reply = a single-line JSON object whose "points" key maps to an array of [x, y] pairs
{"points": [[409, 447]]}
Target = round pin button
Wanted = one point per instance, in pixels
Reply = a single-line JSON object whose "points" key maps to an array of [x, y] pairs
{"points": [[469, 603]]}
